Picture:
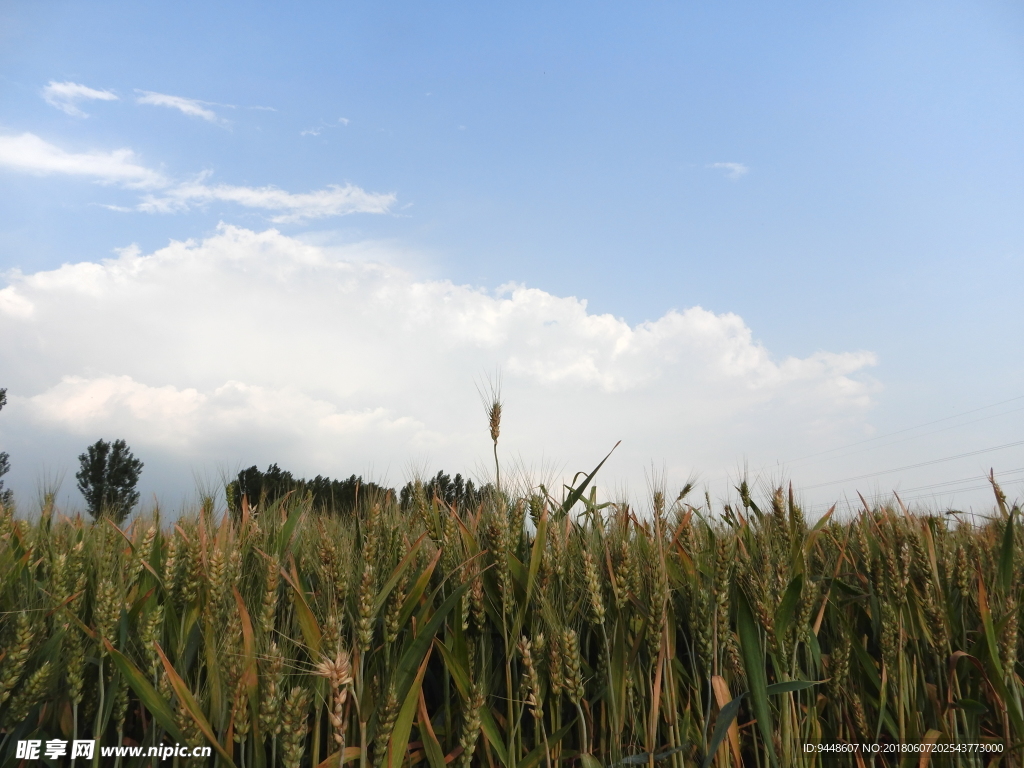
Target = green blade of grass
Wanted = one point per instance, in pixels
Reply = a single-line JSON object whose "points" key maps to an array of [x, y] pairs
{"points": [[455, 668], [389, 585], [418, 648], [148, 695], [753, 664], [190, 705], [490, 729], [403, 724], [537, 754], [307, 621], [787, 608], [576, 493], [431, 746], [413, 598], [726, 715], [791, 686]]}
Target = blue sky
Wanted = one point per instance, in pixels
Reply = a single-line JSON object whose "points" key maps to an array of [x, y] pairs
{"points": [[843, 180]]}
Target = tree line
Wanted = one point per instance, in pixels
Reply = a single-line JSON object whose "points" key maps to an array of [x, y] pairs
{"points": [[342, 497], [109, 474]]}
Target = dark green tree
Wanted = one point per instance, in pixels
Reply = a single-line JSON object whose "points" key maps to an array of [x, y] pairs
{"points": [[457, 493], [340, 497], [5, 462], [108, 478]]}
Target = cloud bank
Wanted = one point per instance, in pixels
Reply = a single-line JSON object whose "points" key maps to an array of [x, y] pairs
{"points": [[252, 347], [28, 153], [66, 96]]}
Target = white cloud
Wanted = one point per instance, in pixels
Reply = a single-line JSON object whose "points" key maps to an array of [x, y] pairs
{"points": [[13, 305], [181, 419], [66, 96], [190, 107], [30, 154], [317, 130], [733, 170], [251, 347], [335, 200]]}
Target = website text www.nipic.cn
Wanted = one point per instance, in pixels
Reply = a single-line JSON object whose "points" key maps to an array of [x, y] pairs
{"points": [[51, 749]]}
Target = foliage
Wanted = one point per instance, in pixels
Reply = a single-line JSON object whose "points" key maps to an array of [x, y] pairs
{"points": [[514, 633], [263, 489], [324, 494], [107, 479], [454, 492]]}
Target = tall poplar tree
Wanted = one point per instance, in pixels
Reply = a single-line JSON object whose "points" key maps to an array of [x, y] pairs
{"points": [[107, 479]]}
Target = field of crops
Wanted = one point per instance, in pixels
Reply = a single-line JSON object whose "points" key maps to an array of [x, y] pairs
{"points": [[524, 632]]}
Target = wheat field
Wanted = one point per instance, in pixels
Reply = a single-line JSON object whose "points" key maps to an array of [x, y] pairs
{"points": [[523, 632]]}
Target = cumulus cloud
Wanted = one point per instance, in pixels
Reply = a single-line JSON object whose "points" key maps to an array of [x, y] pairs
{"points": [[252, 347], [190, 107], [29, 153], [66, 96], [183, 419], [733, 170]]}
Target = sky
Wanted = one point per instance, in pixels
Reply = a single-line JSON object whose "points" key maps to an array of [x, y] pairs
{"points": [[782, 240]]}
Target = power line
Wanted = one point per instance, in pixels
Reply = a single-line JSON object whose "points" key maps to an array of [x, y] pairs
{"points": [[971, 479], [912, 437], [962, 490], [982, 487], [875, 497], [908, 500], [946, 483], [915, 466], [908, 429]]}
